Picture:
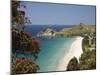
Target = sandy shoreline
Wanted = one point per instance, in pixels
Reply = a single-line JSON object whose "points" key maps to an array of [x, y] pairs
{"points": [[75, 50]]}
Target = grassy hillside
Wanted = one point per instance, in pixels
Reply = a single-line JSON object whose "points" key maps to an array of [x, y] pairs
{"points": [[80, 30]]}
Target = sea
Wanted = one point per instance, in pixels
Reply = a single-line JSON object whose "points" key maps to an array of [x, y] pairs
{"points": [[52, 50]]}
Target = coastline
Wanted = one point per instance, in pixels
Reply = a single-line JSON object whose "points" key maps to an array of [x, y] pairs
{"points": [[75, 50]]}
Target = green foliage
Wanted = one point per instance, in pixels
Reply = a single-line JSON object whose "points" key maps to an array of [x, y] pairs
{"points": [[18, 16], [89, 42], [22, 66], [73, 65], [88, 60]]}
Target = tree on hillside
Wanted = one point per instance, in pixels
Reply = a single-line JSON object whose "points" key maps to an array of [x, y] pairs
{"points": [[18, 16], [73, 64], [22, 42], [88, 60]]}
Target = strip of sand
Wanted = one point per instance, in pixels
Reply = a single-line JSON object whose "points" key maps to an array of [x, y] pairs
{"points": [[75, 50]]}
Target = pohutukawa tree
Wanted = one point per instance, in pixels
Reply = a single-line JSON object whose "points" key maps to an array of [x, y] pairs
{"points": [[22, 41]]}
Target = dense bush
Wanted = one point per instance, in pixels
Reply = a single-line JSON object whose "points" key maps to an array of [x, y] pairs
{"points": [[22, 65], [24, 43], [73, 64], [88, 60]]}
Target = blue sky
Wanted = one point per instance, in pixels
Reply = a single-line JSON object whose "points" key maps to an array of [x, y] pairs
{"points": [[59, 14]]}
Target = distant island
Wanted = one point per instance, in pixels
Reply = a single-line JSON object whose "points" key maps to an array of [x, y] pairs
{"points": [[47, 32]]}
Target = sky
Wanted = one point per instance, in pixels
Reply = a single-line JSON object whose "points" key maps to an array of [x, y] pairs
{"points": [[59, 14]]}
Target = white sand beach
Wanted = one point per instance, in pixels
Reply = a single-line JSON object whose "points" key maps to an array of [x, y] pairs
{"points": [[75, 50]]}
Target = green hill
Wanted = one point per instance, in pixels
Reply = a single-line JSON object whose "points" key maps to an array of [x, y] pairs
{"points": [[77, 30]]}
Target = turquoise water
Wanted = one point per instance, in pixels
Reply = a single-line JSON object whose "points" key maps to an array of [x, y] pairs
{"points": [[52, 50]]}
